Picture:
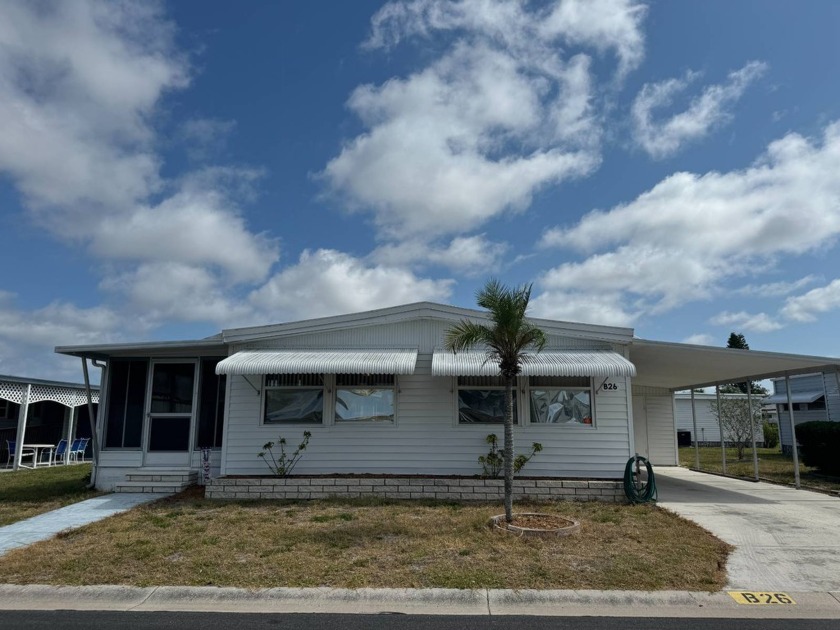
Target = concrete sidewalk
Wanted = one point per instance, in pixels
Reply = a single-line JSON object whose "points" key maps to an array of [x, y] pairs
{"points": [[413, 601], [47, 525], [785, 539]]}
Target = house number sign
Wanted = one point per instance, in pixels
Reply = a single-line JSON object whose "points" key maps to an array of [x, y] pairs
{"points": [[610, 387]]}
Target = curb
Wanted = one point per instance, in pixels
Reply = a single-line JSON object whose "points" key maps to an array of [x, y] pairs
{"points": [[437, 601]]}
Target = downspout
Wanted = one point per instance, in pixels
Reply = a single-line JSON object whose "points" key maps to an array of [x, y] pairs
{"points": [[752, 429], [793, 434], [92, 419]]}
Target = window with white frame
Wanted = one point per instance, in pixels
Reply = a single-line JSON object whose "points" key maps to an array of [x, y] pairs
{"points": [[481, 400], [364, 398], [294, 399], [560, 400]]}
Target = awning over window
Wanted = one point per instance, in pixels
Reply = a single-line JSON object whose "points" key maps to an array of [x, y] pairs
{"points": [[546, 363], [319, 362], [797, 397]]}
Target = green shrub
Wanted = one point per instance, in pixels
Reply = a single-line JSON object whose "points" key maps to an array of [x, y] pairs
{"points": [[494, 462], [820, 443], [771, 435]]}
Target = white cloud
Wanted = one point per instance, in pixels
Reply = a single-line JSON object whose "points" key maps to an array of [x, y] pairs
{"points": [[599, 24], [755, 322], [27, 338], [503, 113], [328, 282], [196, 225], [78, 83], [777, 289], [806, 307], [82, 85], [471, 256], [162, 292], [589, 307], [685, 238], [661, 138], [700, 339]]}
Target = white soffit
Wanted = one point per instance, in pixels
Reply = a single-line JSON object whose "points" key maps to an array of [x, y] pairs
{"points": [[678, 366], [319, 362], [797, 397], [546, 363]]}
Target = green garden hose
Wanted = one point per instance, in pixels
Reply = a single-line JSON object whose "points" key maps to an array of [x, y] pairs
{"points": [[636, 489]]}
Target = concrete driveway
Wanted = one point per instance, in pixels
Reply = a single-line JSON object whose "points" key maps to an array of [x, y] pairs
{"points": [[785, 539]]}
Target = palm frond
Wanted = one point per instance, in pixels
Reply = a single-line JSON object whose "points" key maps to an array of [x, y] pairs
{"points": [[466, 334]]}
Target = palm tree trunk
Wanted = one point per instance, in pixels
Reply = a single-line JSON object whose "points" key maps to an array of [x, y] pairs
{"points": [[509, 450]]}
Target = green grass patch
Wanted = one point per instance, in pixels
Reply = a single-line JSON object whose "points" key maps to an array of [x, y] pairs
{"points": [[772, 466], [355, 544], [26, 493]]}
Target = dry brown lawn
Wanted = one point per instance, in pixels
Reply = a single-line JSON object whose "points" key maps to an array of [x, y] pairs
{"points": [[187, 540]]}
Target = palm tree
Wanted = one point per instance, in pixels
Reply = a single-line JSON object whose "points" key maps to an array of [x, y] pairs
{"points": [[506, 340]]}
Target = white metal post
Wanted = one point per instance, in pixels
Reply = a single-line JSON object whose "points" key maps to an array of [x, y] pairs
{"points": [[696, 441], [793, 435], [23, 412], [752, 429], [94, 439], [71, 431], [720, 425]]}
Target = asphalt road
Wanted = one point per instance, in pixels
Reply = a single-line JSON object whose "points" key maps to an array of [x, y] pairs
{"points": [[88, 620]]}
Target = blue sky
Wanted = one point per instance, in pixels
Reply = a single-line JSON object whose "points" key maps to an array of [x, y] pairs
{"points": [[171, 169]]}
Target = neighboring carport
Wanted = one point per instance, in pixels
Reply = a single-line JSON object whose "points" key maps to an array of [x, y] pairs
{"points": [[786, 540], [669, 367]]}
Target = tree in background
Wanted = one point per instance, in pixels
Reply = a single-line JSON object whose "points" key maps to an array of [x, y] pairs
{"points": [[739, 342], [734, 419], [506, 340]]}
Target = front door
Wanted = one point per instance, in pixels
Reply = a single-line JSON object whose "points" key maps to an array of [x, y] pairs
{"points": [[171, 412], [640, 425]]}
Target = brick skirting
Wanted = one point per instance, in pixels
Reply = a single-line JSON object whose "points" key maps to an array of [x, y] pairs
{"points": [[447, 488]]}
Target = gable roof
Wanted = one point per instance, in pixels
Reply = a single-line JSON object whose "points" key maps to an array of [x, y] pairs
{"points": [[414, 311]]}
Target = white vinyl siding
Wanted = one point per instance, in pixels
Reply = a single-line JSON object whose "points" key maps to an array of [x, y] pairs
{"points": [[808, 382], [426, 440], [653, 421]]}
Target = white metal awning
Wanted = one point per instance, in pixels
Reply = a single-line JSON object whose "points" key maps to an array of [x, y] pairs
{"points": [[319, 362], [546, 363], [797, 397]]}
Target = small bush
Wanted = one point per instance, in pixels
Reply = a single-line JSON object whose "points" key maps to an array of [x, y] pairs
{"points": [[820, 443], [494, 462], [771, 435]]}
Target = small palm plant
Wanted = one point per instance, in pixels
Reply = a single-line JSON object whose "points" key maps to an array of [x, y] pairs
{"points": [[507, 340]]}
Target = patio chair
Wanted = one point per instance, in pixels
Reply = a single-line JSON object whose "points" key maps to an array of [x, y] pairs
{"points": [[10, 455], [78, 453], [74, 449], [58, 453]]}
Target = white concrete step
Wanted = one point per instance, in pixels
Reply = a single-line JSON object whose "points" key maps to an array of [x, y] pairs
{"points": [[157, 480]]}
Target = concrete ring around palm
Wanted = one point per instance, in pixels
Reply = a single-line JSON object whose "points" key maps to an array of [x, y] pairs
{"points": [[536, 525]]}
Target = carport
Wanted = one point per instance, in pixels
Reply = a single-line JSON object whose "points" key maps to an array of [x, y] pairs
{"points": [[663, 368], [785, 540]]}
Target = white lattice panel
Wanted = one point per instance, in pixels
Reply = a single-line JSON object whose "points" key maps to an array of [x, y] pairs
{"points": [[13, 392], [67, 396]]}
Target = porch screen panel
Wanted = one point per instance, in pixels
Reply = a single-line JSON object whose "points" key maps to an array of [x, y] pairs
{"points": [[211, 405], [126, 392]]}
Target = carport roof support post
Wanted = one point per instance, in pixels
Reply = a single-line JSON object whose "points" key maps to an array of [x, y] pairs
{"points": [[696, 442], [752, 429], [793, 435], [720, 426]]}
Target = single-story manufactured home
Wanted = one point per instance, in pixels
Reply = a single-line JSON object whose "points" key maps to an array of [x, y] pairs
{"points": [[813, 397], [380, 396], [704, 417]]}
